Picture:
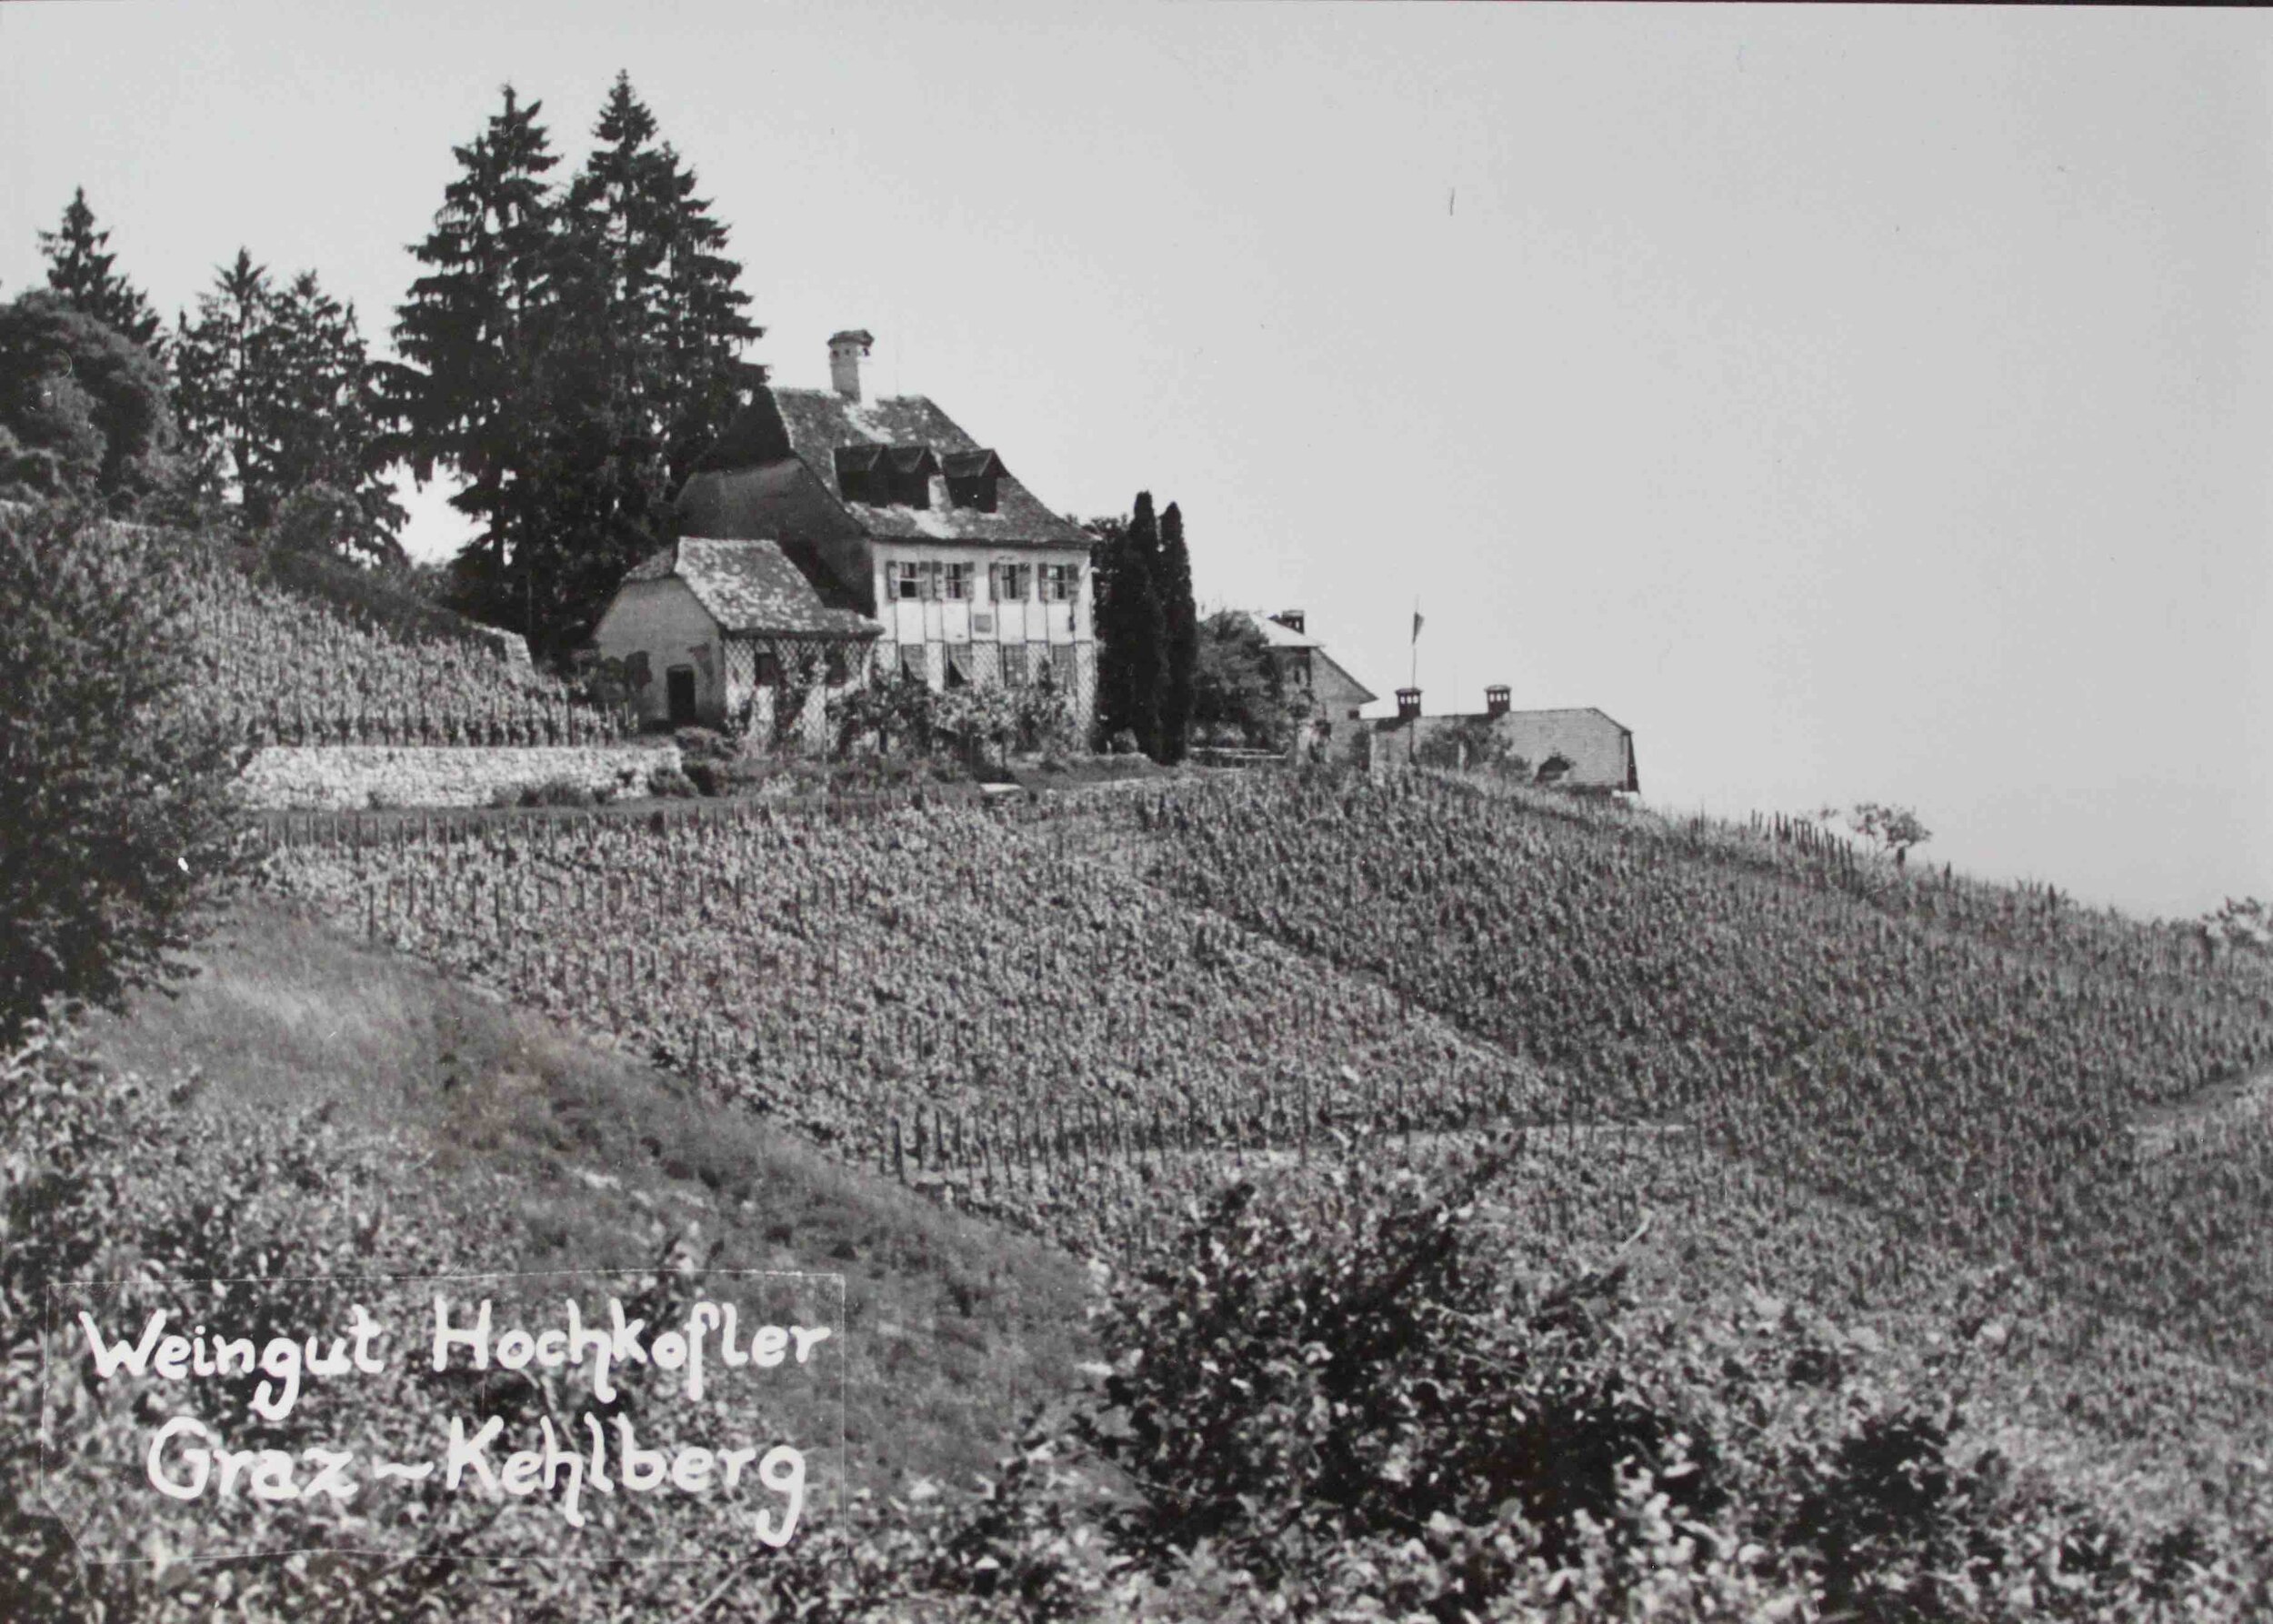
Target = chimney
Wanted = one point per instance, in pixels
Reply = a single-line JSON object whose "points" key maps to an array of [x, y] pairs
{"points": [[845, 352], [1495, 699], [1289, 618], [1407, 704]]}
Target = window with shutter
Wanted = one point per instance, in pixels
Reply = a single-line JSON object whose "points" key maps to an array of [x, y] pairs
{"points": [[1014, 665]]}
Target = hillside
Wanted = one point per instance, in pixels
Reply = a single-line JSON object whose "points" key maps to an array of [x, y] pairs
{"points": [[1797, 1187], [561, 1155]]}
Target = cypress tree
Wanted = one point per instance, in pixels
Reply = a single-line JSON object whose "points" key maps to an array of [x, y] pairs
{"points": [[1132, 631], [79, 268], [1180, 650]]}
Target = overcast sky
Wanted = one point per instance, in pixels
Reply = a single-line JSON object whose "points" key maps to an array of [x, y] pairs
{"points": [[1857, 404]]}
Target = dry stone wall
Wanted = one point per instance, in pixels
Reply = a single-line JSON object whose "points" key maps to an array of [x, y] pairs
{"points": [[347, 776]]}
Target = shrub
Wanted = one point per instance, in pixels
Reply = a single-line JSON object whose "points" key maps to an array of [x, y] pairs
{"points": [[671, 783], [703, 744], [560, 792], [116, 813]]}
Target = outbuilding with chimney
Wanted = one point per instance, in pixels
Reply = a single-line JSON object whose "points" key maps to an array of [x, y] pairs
{"points": [[1580, 749]]}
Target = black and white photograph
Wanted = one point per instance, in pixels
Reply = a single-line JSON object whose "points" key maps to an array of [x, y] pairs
{"points": [[1392, 813]]}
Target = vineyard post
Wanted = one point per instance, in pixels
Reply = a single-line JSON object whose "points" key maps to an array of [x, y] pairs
{"points": [[899, 1156]]}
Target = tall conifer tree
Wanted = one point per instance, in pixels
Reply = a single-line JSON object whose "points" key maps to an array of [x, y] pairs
{"points": [[642, 372], [226, 387], [79, 268], [279, 396], [472, 331], [1131, 629], [1180, 638]]}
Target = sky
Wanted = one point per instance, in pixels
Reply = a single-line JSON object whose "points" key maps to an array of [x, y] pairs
{"points": [[1856, 402]]}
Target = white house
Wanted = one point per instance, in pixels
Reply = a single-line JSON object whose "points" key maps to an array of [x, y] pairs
{"points": [[889, 507]]}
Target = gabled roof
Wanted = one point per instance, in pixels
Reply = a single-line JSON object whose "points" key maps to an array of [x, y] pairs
{"points": [[817, 424], [1279, 634], [754, 588]]}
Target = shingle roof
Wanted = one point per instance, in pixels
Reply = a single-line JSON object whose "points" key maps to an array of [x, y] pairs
{"points": [[753, 587], [819, 422]]}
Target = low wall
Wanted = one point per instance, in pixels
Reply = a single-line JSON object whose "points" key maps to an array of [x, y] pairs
{"points": [[346, 776]]}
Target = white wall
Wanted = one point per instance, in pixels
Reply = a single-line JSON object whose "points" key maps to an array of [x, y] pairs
{"points": [[663, 621]]}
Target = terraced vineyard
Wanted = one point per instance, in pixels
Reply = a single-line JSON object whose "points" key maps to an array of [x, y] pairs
{"points": [[931, 992], [284, 668], [1968, 1061]]}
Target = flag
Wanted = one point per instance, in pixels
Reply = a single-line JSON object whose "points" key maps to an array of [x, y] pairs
{"points": [[1417, 625]]}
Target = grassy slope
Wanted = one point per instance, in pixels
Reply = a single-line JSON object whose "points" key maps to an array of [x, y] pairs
{"points": [[562, 1154]]}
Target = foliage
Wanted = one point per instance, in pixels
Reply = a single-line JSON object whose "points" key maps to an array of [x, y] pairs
{"points": [[83, 414], [559, 792], [115, 814], [279, 394], [570, 355], [79, 268], [1472, 742], [2247, 925], [1131, 627], [1237, 697], [890, 706], [670, 783], [1180, 646], [467, 395], [1359, 1398], [1894, 829]]}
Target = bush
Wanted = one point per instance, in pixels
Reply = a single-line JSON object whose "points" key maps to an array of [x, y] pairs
{"points": [[703, 744], [670, 783], [115, 814], [560, 792]]}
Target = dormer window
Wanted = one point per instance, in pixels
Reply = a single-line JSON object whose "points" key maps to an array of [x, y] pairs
{"points": [[856, 473], [972, 476], [886, 475], [909, 471]]}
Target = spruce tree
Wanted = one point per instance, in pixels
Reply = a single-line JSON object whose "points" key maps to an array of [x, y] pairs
{"points": [[1180, 650], [79, 268], [327, 435], [226, 386], [278, 392], [642, 372], [467, 396], [1132, 631]]}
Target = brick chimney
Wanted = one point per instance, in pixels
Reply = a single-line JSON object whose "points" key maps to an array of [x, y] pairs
{"points": [[845, 351], [1495, 699], [1289, 618], [1407, 704]]}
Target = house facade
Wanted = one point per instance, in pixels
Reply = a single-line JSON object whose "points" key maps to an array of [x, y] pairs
{"points": [[967, 578], [1574, 750], [734, 632]]}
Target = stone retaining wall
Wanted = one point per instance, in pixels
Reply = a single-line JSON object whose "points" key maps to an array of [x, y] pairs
{"points": [[348, 777]]}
